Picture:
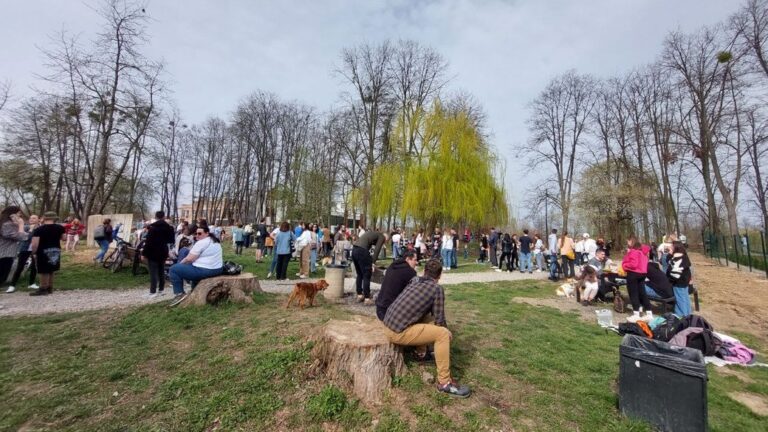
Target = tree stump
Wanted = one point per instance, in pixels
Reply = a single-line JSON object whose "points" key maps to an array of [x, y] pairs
{"points": [[237, 289], [358, 351]]}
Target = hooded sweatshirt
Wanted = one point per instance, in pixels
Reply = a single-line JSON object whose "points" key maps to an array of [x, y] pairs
{"points": [[679, 270], [636, 260], [395, 280]]}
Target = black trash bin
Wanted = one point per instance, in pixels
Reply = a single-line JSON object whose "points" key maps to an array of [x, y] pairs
{"points": [[663, 384]]}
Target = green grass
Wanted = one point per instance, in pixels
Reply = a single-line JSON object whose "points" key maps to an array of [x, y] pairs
{"points": [[237, 367]]}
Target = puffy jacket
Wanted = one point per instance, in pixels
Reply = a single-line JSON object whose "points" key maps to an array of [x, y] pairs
{"points": [[636, 260]]}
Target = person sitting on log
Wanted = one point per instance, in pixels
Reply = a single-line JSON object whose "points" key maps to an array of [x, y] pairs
{"points": [[364, 263], [205, 260], [403, 326], [396, 278]]}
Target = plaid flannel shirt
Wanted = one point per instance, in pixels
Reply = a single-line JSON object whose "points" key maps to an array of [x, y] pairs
{"points": [[422, 295]]}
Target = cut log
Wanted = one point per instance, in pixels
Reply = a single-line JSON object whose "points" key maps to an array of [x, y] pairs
{"points": [[237, 289], [358, 351]]}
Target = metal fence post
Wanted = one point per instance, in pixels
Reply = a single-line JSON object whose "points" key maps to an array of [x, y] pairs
{"points": [[749, 255], [725, 248], [736, 252], [762, 244]]}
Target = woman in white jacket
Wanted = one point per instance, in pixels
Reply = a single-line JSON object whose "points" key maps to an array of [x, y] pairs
{"points": [[445, 252], [302, 247]]}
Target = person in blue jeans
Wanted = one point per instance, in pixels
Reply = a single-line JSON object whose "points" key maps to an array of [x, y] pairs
{"points": [[104, 240], [205, 260], [679, 273], [525, 252], [552, 243]]}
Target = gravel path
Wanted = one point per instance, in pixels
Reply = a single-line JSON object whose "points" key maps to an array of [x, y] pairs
{"points": [[20, 303]]}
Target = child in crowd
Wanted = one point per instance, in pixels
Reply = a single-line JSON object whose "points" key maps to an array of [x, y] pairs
{"points": [[588, 280]]}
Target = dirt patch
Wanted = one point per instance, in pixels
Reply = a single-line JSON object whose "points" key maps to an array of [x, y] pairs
{"points": [[731, 299], [756, 403], [735, 373]]}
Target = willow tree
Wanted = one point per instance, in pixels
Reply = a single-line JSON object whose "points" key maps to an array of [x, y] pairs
{"points": [[450, 181]]}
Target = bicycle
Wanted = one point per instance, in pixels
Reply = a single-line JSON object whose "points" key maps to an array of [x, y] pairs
{"points": [[114, 261]]}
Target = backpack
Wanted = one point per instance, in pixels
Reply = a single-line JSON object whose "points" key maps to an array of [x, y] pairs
{"points": [[98, 232], [631, 328], [697, 321], [705, 341], [698, 338], [231, 268], [667, 330]]}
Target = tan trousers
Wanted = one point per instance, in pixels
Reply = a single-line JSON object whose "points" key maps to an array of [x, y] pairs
{"points": [[305, 261], [424, 334]]}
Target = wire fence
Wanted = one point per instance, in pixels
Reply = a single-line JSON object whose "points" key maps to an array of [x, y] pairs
{"points": [[747, 250]]}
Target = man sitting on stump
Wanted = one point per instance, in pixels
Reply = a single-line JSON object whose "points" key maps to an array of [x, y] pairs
{"points": [[403, 326], [364, 263]]}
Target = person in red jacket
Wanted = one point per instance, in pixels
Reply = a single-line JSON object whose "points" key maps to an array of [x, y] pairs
{"points": [[635, 263]]}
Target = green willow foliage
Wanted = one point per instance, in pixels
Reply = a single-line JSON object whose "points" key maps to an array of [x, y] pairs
{"points": [[447, 180]]}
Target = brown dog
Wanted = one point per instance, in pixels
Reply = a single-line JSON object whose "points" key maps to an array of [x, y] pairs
{"points": [[306, 290]]}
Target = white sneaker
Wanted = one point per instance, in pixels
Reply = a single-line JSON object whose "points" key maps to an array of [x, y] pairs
{"points": [[160, 293], [147, 295], [635, 317], [648, 317], [497, 269], [10, 289], [302, 277], [33, 286], [538, 271], [152, 296], [269, 275]]}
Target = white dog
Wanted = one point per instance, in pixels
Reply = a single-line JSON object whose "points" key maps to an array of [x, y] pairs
{"points": [[566, 290]]}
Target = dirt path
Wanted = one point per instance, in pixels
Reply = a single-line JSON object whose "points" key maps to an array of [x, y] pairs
{"points": [[20, 303]]}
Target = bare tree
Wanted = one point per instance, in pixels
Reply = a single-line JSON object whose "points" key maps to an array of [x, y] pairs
{"points": [[558, 123], [366, 68]]}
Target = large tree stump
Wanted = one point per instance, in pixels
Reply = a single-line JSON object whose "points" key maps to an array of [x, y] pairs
{"points": [[237, 289], [358, 351]]}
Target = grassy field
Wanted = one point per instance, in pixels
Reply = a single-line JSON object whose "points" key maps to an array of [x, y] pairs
{"points": [[247, 368], [81, 273]]}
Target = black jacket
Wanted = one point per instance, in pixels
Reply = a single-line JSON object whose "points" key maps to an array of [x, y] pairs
{"points": [[658, 281], [159, 236], [395, 280], [679, 270]]}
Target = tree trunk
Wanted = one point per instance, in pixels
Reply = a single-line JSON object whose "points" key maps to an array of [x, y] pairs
{"points": [[237, 289], [359, 351]]}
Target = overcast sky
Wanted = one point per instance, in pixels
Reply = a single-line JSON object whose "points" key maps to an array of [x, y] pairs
{"points": [[503, 52]]}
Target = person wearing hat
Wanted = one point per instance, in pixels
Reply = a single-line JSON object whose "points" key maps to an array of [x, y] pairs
{"points": [[46, 250]]}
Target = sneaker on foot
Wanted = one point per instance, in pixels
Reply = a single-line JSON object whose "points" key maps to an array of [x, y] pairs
{"points": [[635, 317], [33, 287], [302, 276], [178, 298], [10, 289], [160, 293], [152, 296], [360, 298], [148, 295], [41, 292], [454, 389], [368, 301]]}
